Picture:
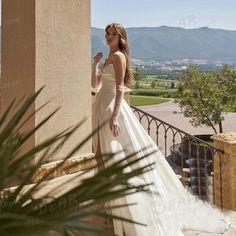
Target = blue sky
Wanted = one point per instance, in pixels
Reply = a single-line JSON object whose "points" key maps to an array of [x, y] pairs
{"points": [[177, 13]]}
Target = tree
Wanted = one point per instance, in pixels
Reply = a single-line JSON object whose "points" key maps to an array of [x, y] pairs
{"points": [[203, 96], [22, 213], [153, 84], [172, 85], [137, 84], [226, 78], [137, 74]]}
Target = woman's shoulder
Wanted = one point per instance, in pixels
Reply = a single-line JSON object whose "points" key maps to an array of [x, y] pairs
{"points": [[119, 55]]}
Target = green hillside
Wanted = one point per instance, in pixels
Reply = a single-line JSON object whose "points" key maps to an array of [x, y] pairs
{"points": [[166, 43]]}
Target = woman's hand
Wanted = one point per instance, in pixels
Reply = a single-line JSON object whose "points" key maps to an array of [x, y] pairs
{"points": [[114, 127], [97, 58]]}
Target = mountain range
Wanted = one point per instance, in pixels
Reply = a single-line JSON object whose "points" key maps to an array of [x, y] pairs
{"points": [[167, 43]]}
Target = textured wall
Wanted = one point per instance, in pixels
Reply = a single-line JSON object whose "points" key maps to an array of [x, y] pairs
{"points": [[63, 64], [49, 44], [18, 54]]}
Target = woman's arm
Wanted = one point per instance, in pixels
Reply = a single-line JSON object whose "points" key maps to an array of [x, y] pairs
{"points": [[119, 62], [96, 79]]}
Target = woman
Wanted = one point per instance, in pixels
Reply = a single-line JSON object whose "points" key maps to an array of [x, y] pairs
{"points": [[170, 208]]}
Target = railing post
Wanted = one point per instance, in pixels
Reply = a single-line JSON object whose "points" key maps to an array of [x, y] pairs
{"points": [[225, 170]]}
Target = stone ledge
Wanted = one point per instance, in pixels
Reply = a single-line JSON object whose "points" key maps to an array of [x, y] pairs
{"points": [[56, 186], [229, 137], [72, 165]]}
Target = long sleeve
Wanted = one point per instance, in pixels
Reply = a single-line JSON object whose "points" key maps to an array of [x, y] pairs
{"points": [[120, 88], [118, 99]]}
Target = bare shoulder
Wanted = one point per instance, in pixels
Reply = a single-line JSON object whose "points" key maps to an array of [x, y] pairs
{"points": [[119, 58]]}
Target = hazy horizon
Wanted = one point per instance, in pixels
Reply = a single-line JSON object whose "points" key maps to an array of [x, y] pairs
{"points": [[169, 26]]}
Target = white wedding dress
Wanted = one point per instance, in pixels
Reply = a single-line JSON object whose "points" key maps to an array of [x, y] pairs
{"points": [[171, 209]]}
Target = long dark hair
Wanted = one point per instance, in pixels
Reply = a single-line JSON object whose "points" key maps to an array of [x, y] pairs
{"points": [[124, 47]]}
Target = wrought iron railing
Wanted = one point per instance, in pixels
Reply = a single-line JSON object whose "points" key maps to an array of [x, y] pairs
{"points": [[192, 158]]}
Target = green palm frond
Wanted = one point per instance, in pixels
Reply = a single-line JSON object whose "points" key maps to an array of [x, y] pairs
{"points": [[25, 211]]}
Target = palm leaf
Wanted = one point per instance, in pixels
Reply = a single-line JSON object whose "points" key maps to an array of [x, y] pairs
{"points": [[23, 211]]}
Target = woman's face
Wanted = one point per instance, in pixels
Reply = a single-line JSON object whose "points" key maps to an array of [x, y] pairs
{"points": [[112, 37]]}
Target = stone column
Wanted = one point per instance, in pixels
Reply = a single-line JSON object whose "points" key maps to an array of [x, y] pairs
{"points": [[48, 43], [225, 177]]}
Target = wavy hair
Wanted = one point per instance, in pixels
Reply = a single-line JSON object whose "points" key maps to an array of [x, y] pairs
{"points": [[124, 47]]}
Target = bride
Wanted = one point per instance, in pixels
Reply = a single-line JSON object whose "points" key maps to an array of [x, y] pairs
{"points": [[171, 208]]}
